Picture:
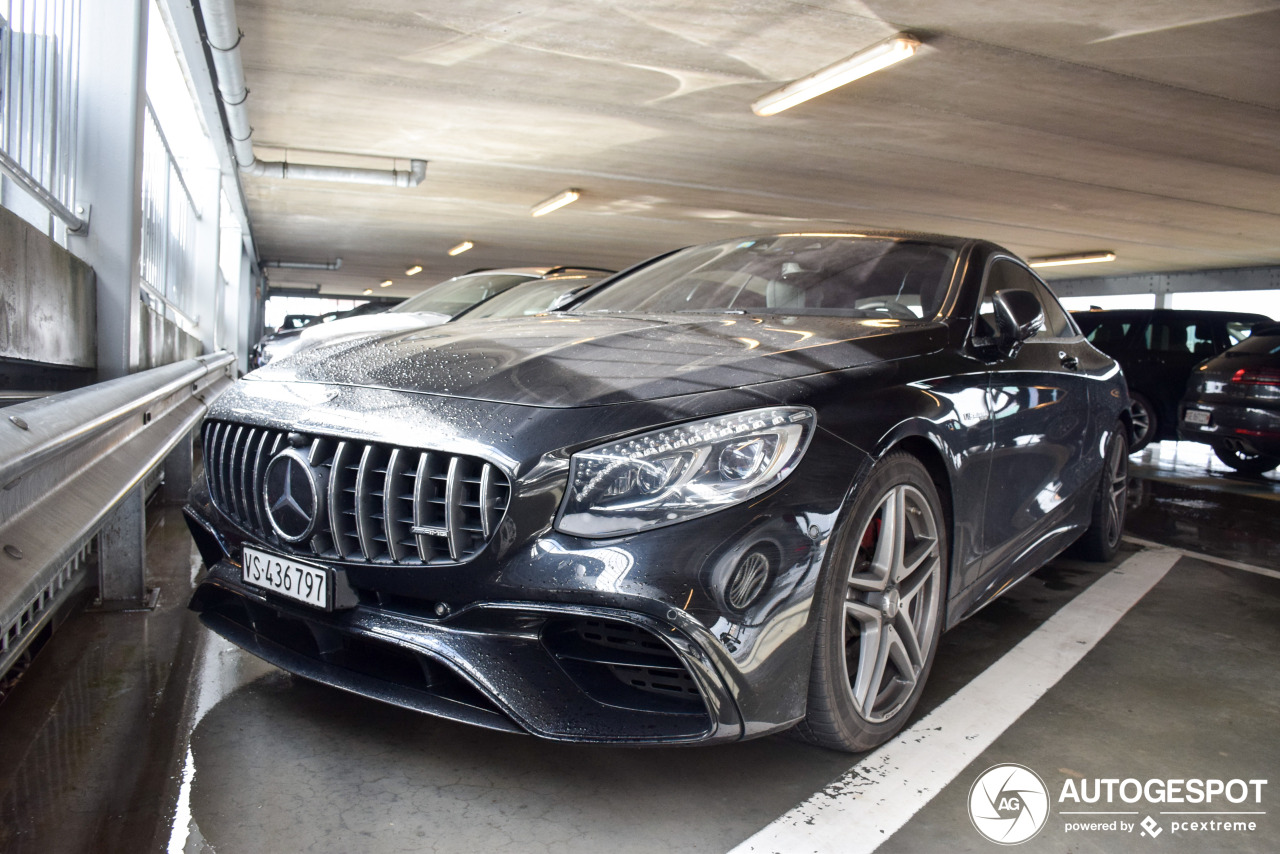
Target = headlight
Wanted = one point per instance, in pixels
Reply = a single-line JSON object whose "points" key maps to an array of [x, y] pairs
{"points": [[682, 472]]}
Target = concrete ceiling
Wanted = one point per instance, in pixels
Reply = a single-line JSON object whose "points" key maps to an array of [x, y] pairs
{"points": [[1148, 127]]}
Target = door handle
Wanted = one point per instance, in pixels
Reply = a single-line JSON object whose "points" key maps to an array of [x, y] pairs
{"points": [[1071, 363]]}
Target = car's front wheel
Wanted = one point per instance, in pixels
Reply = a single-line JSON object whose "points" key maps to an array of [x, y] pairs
{"points": [[879, 610], [1243, 461]]}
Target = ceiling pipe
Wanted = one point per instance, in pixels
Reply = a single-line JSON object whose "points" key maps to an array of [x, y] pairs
{"points": [[335, 264], [223, 37], [269, 169]]}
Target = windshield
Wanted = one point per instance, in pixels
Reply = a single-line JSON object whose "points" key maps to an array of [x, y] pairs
{"points": [[459, 294], [837, 275]]}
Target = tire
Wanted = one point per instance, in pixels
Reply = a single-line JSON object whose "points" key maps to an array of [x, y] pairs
{"points": [[879, 610], [1101, 540], [1245, 462], [1144, 419]]}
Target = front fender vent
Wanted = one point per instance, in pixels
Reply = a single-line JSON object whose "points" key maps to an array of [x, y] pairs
{"points": [[376, 504]]}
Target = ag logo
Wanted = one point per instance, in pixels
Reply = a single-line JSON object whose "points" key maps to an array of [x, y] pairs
{"points": [[1008, 804]]}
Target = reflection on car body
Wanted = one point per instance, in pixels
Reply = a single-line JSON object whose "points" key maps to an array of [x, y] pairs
{"points": [[740, 488]]}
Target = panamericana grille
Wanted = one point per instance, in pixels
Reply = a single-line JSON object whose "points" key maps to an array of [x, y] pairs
{"points": [[382, 504]]}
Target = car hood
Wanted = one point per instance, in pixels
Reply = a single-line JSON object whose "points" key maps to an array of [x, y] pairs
{"points": [[595, 360], [351, 328]]}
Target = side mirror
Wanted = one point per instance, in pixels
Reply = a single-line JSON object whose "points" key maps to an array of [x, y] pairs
{"points": [[1019, 316]]}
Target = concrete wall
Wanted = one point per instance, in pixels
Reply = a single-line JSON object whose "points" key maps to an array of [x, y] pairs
{"points": [[161, 342], [48, 300]]}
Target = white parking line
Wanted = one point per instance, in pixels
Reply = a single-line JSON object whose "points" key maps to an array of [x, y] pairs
{"points": [[1220, 561], [863, 808]]}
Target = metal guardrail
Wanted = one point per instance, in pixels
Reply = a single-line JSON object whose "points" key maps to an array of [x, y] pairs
{"points": [[68, 462]]}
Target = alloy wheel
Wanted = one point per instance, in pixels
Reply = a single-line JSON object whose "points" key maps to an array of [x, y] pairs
{"points": [[1117, 489], [892, 602]]}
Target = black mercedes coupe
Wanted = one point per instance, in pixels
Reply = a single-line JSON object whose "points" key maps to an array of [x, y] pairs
{"points": [[738, 488]]}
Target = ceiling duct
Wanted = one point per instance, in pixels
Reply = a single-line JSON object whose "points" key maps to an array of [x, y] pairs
{"points": [[224, 37]]}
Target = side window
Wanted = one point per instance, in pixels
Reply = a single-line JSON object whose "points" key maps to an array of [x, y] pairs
{"points": [[1057, 323], [1237, 331], [1110, 332], [1183, 337], [1003, 275]]}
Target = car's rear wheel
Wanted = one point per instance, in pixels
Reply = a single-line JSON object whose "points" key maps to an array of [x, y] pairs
{"points": [[1102, 539], [1243, 461], [879, 610], [1144, 419]]}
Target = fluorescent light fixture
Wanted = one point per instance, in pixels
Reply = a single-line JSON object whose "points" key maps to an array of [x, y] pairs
{"points": [[556, 202], [1078, 258], [414, 270], [368, 291], [864, 62], [465, 245], [386, 283]]}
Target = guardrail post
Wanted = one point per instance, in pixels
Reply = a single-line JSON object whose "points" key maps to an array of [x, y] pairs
{"points": [[178, 468], [122, 551]]}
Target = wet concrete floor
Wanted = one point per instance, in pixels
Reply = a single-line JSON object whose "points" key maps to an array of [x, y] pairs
{"points": [[142, 732]]}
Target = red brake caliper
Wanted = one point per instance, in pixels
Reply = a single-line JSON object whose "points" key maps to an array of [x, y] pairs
{"points": [[872, 534]]}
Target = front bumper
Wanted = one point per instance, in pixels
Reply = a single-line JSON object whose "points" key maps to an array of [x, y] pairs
{"points": [[553, 671], [626, 641]]}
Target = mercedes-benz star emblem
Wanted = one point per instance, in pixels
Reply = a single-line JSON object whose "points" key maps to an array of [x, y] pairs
{"points": [[291, 495]]}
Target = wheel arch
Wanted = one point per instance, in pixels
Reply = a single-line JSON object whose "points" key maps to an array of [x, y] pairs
{"points": [[929, 450]]}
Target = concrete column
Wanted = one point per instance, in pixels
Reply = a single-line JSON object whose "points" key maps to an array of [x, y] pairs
{"points": [[247, 298], [122, 551], [109, 171]]}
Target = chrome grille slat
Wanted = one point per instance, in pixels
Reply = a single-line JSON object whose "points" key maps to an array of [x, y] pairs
{"points": [[392, 514], [253, 476], [232, 481], [370, 487], [424, 515], [385, 505], [244, 482], [453, 507], [342, 533], [224, 462]]}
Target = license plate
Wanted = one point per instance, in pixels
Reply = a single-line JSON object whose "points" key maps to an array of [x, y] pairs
{"points": [[289, 578], [1196, 416]]}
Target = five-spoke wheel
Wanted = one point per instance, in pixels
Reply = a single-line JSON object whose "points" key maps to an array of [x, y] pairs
{"points": [[881, 609]]}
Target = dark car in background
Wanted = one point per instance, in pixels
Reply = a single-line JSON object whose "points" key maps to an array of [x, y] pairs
{"points": [[1158, 348], [1232, 403], [438, 304], [284, 339], [734, 490]]}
